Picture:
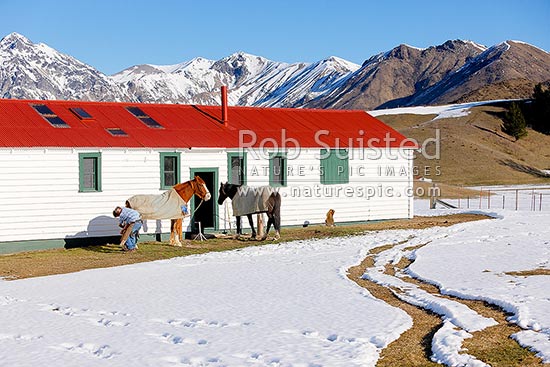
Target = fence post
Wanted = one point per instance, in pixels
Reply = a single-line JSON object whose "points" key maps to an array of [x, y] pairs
{"points": [[517, 199], [468, 202], [503, 198], [480, 197], [540, 202]]}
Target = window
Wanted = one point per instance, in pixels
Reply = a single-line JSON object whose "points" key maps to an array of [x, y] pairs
{"points": [[81, 113], [169, 170], [116, 132], [334, 166], [277, 169], [236, 168], [143, 117], [89, 172], [49, 115]]}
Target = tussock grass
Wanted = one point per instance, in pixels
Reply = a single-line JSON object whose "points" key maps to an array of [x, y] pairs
{"points": [[528, 273], [474, 150]]}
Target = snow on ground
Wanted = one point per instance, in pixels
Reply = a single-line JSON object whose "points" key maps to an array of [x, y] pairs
{"points": [[277, 305], [443, 111], [474, 263], [281, 305]]}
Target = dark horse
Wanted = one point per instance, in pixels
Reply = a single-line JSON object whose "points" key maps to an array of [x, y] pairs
{"points": [[266, 200]]}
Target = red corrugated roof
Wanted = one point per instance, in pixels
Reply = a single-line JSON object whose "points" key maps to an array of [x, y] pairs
{"points": [[188, 126]]}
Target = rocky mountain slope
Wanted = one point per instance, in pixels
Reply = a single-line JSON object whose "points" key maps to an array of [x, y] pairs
{"points": [[37, 71], [404, 76]]}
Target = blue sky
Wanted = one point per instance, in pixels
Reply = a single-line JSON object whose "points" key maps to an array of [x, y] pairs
{"points": [[113, 35]]}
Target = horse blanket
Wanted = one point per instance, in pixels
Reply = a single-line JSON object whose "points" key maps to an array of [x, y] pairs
{"points": [[168, 205], [250, 200]]}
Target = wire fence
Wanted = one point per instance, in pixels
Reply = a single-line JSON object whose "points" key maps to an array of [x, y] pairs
{"points": [[519, 199]]}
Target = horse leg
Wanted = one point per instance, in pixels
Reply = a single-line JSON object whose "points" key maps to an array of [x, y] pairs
{"points": [[238, 220], [251, 222], [172, 240], [268, 227], [277, 225], [179, 231], [174, 236], [276, 215]]}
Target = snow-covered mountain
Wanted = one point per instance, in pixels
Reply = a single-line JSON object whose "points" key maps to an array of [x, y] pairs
{"points": [[37, 71], [252, 80], [456, 71]]}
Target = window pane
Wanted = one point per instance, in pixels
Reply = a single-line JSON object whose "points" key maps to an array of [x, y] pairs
{"points": [[169, 179], [81, 113], [89, 173], [170, 171], [277, 170], [278, 173], [237, 173], [43, 109], [56, 121], [143, 117], [49, 115], [169, 164]]}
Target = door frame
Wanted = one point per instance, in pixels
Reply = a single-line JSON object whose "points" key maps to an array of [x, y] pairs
{"points": [[214, 194]]}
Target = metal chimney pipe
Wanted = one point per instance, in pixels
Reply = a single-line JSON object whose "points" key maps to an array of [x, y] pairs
{"points": [[224, 105]]}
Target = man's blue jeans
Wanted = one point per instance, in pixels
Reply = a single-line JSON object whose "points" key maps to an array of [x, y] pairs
{"points": [[132, 239]]}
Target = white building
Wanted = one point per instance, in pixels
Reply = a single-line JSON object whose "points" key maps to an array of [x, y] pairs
{"points": [[65, 165]]}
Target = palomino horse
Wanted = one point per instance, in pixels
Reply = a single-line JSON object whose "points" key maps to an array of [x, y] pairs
{"points": [[170, 205], [248, 200]]}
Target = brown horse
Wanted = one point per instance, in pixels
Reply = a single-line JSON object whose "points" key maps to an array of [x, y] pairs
{"points": [[185, 191]]}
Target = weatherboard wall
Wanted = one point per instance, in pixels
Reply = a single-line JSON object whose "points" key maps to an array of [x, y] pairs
{"points": [[304, 198], [40, 198]]}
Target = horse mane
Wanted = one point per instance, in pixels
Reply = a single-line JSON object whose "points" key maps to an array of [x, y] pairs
{"points": [[232, 190]]}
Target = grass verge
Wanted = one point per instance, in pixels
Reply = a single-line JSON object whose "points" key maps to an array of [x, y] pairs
{"points": [[61, 261]]}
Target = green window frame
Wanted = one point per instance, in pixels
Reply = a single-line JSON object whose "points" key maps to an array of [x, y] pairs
{"points": [[236, 168], [89, 172], [277, 170], [334, 166], [170, 170]]}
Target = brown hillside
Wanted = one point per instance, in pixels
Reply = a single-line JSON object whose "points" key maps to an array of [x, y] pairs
{"points": [[510, 89], [474, 150], [398, 74], [509, 61]]}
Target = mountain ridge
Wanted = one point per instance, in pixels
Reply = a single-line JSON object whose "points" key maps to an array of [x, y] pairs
{"points": [[454, 71]]}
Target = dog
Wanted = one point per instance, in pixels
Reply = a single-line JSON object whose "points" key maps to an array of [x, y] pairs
{"points": [[329, 221]]}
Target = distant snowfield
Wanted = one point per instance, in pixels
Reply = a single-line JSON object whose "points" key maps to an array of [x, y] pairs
{"points": [[442, 112], [279, 305]]}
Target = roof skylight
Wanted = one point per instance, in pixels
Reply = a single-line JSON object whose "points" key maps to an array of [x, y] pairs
{"points": [[49, 115], [116, 131], [143, 117], [81, 113]]}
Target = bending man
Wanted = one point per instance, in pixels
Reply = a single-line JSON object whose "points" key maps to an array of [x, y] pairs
{"points": [[130, 222]]}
